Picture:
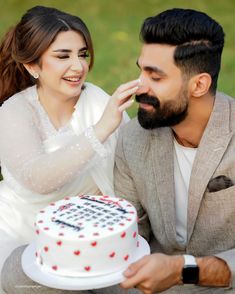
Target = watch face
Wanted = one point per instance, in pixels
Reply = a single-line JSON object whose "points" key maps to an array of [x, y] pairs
{"points": [[190, 274]]}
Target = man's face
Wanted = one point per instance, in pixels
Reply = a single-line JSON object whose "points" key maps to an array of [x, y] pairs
{"points": [[162, 97]]}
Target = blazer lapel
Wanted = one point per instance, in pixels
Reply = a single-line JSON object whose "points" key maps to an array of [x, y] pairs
{"points": [[213, 144], [163, 161]]}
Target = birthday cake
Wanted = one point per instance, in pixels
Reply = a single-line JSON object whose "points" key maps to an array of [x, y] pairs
{"points": [[86, 236]]}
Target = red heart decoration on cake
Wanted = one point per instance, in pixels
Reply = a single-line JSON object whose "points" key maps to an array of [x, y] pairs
{"points": [[59, 243], [123, 234], [37, 232], [46, 248], [77, 252], [134, 234], [46, 228], [126, 257], [87, 268], [121, 224], [111, 229], [94, 244], [54, 267], [112, 254], [96, 234]]}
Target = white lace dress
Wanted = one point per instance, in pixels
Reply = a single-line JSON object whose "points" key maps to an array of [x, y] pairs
{"points": [[41, 164]]}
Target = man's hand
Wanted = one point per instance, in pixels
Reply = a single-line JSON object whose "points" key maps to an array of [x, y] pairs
{"points": [[158, 272], [154, 273]]}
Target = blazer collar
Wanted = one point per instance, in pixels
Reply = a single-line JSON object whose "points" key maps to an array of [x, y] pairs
{"points": [[163, 170], [210, 151], [212, 147]]}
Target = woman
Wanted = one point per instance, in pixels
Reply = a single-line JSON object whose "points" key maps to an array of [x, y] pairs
{"points": [[58, 133]]}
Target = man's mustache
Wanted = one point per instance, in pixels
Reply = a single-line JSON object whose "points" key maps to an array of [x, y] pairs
{"points": [[151, 100]]}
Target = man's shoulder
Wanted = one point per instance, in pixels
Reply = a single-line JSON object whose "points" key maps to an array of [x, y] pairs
{"points": [[134, 139], [133, 129], [226, 105], [226, 97]]}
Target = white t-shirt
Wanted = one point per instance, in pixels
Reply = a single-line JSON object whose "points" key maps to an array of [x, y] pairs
{"points": [[183, 162]]}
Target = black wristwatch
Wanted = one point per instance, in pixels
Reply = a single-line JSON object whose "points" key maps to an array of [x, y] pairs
{"points": [[190, 273]]}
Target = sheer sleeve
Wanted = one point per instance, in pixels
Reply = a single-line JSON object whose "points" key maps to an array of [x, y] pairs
{"points": [[23, 154]]}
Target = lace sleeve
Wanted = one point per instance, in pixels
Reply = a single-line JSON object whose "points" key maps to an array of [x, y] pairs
{"points": [[22, 152]]}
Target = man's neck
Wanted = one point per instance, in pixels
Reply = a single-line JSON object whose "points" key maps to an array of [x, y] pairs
{"points": [[189, 132]]}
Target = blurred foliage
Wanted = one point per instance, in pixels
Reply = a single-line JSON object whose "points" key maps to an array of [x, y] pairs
{"points": [[114, 26]]}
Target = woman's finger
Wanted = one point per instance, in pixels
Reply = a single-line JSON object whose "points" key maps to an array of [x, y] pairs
{"points": [[126, 105], [127, 94], [127, 86]]}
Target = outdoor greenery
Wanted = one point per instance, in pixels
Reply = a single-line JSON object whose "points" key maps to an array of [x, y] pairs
{"points": [[115, 25]]}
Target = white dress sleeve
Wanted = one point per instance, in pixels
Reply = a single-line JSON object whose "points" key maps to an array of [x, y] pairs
{"points": [[23, 154]]}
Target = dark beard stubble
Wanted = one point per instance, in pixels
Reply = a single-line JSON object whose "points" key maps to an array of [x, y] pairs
{"points": [[167, 115]]}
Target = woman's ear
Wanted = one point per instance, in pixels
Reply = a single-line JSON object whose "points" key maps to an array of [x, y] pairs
{"points": [[32, 69], [200, 84]]}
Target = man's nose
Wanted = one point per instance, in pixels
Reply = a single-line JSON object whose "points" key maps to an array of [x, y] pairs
{"points": [[143, 86]]}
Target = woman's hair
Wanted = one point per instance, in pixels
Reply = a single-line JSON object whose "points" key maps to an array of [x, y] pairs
{"points": [[28, 40], [198, 38]]}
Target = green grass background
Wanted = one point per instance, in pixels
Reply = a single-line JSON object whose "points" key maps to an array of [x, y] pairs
{"points": [[114, 26]]}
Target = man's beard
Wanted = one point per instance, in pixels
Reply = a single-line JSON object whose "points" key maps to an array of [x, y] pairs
{"points": [[169, 114]]}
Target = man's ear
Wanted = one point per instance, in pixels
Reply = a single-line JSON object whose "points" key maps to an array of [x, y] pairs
{"points": [[32, 69], [199, 84]]}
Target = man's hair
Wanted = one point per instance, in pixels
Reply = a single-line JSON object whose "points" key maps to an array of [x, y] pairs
{"points": [[198, 38]]}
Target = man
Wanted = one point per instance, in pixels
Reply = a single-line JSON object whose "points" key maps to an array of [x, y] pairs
{"points": [[176, 164]]}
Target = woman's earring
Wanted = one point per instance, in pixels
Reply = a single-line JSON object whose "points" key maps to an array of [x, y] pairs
{"points": [[36, 75]]}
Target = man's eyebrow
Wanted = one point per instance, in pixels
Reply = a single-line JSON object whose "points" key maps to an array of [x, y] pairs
{"points": [[154, 69], [68, 50]]}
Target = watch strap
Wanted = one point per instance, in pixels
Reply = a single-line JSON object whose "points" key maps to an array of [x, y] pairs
{"points": [[190, 272], [189, 260]]}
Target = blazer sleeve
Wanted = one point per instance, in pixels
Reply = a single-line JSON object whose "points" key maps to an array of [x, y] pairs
{"points": [[229, 257]]}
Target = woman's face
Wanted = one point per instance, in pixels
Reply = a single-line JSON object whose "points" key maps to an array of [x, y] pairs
{"points": [[63, 66]]}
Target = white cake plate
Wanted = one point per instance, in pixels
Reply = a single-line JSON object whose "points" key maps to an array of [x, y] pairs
{"points": [[33, 271]]}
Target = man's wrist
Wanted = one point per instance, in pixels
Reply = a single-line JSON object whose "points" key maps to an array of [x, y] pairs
{"points": [[179, 263], [214, 272]]}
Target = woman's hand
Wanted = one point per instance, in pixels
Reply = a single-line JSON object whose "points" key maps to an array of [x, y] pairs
{"points": [[112, 116]]}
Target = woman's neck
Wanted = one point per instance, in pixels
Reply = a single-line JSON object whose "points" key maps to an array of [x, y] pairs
{"points": [[58, 109]]}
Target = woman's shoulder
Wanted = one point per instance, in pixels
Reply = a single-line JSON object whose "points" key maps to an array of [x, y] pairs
{"points": [[91, 89], [19, 100]]}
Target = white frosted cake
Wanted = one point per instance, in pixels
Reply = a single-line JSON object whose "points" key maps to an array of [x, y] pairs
{"points": [[86, 236]]}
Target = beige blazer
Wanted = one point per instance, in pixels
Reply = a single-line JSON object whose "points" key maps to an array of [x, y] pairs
{"points": [[144, 175]]}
